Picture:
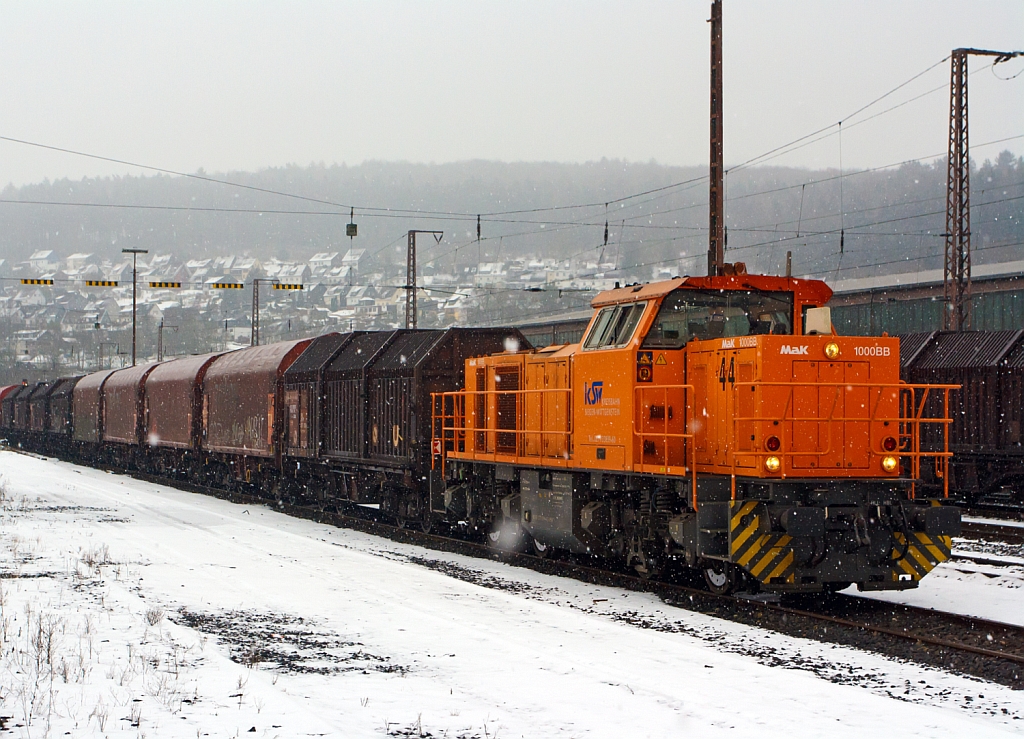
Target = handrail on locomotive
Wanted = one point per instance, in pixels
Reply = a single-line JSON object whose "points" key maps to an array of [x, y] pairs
{"points": [[450, 427]]}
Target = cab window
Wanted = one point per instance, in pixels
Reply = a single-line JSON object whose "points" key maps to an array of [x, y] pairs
{"points": [[692, 314], [614, 326]]}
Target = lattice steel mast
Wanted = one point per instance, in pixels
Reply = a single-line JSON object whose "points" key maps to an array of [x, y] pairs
{"points": [[957, 265]]}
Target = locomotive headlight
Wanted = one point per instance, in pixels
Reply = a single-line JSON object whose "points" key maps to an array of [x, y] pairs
{"points": [[889, 464], [773, 464], [831, 350]]}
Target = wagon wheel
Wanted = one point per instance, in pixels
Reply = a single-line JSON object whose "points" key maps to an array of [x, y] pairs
{"points": [[720, 576], [505, 535], [540, 549]]}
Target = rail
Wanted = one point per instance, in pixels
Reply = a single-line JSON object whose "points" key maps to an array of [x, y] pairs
{"points": [[909, 401]]}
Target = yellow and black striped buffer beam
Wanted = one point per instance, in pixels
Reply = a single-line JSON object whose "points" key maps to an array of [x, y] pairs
{"points": [[101, 283], [915, 556], [171, 285], [227, 286], [36, 282], [765, 555], [287, 286]]}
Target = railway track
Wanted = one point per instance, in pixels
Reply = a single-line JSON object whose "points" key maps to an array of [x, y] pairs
{"points": [[993, 532], [985, 649]]}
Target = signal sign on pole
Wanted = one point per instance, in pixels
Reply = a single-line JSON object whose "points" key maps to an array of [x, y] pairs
{"points": [[285, 286], [101, 283], [37, 282], [165, 284], [227, 286]]}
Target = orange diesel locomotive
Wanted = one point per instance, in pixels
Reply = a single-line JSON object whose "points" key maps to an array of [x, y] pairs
{"points": [[713, 421]]}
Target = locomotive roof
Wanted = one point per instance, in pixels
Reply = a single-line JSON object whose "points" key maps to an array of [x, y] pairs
{"points": [[806, 291]]}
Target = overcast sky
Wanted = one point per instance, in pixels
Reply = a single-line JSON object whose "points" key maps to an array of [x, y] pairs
{"points": [[245, 85]]}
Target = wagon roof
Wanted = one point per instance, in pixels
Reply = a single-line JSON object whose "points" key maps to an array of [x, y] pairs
{"points": [[94, 380], [41, 390], [911, 346], [317, 356], [256, 361], [24, 391], [129, 376], [182, 368], [957, 350], [1015, 358], [359, 352], [64, 387], [409, 349]]}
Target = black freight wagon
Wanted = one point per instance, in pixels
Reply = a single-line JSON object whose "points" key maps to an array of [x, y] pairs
{"points": [[365, 433], [20, 407], [61, 418], [344, 397], [303, 391], [400, 383], [985, 437], [39, 408]]}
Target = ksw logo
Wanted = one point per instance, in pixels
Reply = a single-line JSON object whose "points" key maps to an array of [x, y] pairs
{"points": [[787, 349], [592, 392]]}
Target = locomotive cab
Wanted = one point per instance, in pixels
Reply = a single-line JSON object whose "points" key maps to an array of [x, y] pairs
{"points": [[716, 421]]}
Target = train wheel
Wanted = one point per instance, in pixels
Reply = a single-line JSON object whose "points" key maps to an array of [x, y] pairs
{"points": [[505, 535], [540, 549], [719, 576], [427, 524]]}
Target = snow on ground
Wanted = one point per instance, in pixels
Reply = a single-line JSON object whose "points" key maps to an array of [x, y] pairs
{"points": [[131, 609], [985, 579]]}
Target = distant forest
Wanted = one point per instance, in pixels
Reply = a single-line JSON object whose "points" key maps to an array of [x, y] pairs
{"points": [[865, 223]]}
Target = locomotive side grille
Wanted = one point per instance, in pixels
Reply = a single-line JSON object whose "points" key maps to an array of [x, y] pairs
{"points": [[508, 407], [480, 406]]}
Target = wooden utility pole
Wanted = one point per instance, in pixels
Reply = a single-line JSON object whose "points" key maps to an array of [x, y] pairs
{"points": [[716, 215]]}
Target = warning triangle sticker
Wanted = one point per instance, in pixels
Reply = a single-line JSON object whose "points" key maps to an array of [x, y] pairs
{"points": [[661, 359]]}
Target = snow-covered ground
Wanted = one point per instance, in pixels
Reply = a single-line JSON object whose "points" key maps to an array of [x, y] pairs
{"points": [[131, 609], [991, 585]]}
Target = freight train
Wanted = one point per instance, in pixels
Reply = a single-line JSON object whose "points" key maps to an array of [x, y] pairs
{"points": [[714, 423]]}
